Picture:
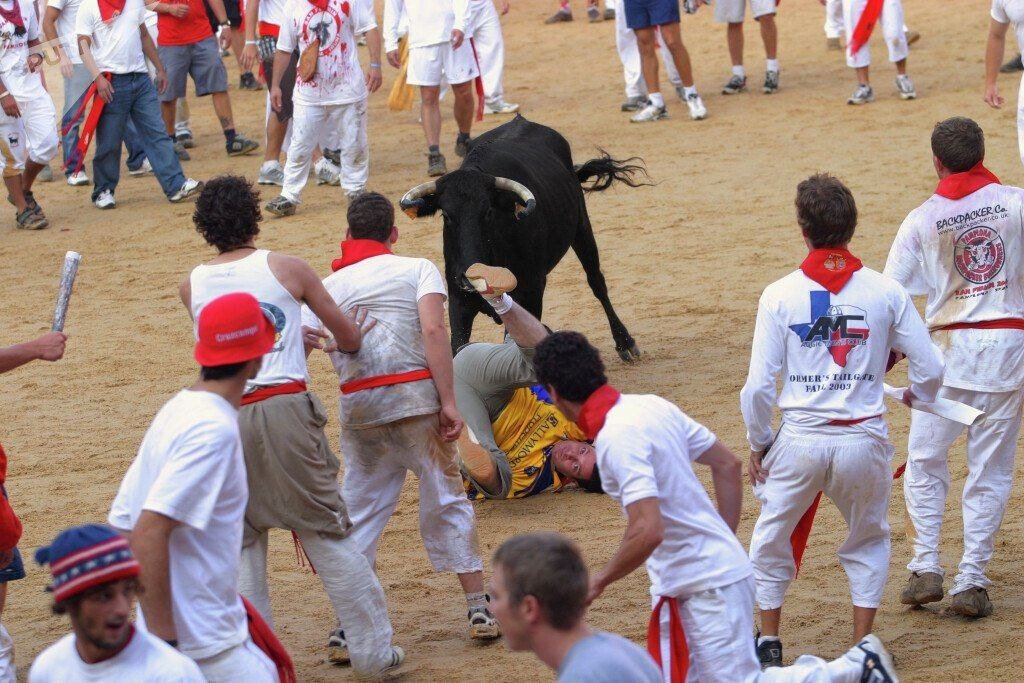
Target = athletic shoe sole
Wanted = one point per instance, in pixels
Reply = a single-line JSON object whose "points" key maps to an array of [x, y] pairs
{"points": [[491, 281]]}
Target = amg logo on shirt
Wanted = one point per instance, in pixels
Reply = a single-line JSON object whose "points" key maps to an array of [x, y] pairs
{"points": [[839, 328]]}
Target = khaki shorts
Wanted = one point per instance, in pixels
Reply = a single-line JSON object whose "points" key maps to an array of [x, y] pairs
{"points": [[291, 470]]}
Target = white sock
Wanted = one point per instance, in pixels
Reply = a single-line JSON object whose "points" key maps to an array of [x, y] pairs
{"points": [[738, 70], [656, 99], [477, 600], [690, 90], [773, 64], [768, 639], [501, 304]]}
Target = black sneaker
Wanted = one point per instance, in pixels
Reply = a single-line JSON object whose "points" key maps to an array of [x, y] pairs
{"points": [[241, 145], [609, 14], [281, 206], [435, 164], [769, 652], [337, 648], [186, 139], [182, 153], [735, 85], [1015, 64], [461, 145], [771, 82], [248, 81]]}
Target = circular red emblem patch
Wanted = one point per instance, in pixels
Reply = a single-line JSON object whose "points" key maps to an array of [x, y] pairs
{"points": [[979, 254]]}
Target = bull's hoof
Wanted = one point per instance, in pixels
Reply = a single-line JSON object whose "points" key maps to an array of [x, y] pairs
{"points": [[630, 354]]}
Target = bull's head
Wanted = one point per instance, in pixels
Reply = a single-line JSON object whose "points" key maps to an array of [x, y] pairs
{"points": [[471, 202]]}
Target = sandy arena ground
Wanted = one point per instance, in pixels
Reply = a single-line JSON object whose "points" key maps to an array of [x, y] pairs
{"points": [[685, 260]]}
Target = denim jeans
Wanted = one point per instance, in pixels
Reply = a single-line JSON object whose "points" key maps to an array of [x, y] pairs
{"points": [[135, 101], [74, 91]]}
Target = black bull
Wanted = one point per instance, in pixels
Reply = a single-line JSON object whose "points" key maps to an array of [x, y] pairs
{"points": [[517, 202]]}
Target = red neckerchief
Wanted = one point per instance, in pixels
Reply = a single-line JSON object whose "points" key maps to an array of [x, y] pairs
{"points": [[319, 4], [595, 409], [13, 16], [354, 251], [862, 31], [959, 185], [110, 8], [831, 268]]}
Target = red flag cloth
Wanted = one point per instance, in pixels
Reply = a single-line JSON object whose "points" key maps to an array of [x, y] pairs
{"points": [[798, 539], [88, 131], [831, 268], [478, 83], [10, 525], [959, 185], [263, 637], [678, 650], [354, 251], [595, 409], [899, 471], [866, 24]]}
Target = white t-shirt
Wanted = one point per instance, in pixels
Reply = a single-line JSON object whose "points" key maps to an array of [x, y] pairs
{"points": [[190, 468], [831, 351], [339, 78], [967, 256], [20, 82], [144, 658], [646, 450], [430, 21], [66, 27], [389, 287], [117, 44], [1010, 12], [271, 11]]}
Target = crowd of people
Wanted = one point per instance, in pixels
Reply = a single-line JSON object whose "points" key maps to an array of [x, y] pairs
{"points": [[244, 450]]}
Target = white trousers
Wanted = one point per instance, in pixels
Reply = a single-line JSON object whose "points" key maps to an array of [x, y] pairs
{"points": [[351, 585], [991, 445], [629, 55], [484, 27], [1020, 119], [834, 19], [244, 662], [719, 626], [852, 468], [376, 462], [33, 135], [8, 672], [892, 28], [332, 126]]}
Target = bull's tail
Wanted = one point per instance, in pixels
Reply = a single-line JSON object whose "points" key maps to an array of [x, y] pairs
{"points": [[604, 170]]}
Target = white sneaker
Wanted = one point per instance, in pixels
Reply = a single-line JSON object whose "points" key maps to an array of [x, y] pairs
{"points": [[501, 107], [272, 175], [77, 179], [876, 661], [862, 95], [651, 112], [696, 105], [326, 172], [905, 86], [145, 169], [105, 200], [189, 190]]}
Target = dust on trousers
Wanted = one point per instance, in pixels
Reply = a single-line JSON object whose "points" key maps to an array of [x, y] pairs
{"points": [[892, 29], [377, 460], [31, 136], [484, 27], [244, 662], [852, 467], [719, 628], [629, 55], [991, 445], [328, 126]]}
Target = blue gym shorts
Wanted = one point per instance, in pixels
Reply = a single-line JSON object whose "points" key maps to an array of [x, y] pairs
{"points": [[647, 13]]}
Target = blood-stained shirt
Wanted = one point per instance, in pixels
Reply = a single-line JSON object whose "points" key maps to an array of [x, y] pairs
{"points": [[339, 78], [967, 256]]}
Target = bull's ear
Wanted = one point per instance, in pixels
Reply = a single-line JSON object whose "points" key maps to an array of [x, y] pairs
{"points": [[420, 201]]}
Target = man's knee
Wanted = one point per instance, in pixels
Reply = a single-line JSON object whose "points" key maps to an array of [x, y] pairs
{"points": [[429, 95]]}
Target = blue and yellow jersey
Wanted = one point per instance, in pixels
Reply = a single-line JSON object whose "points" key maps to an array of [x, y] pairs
{"points": [[525, 431]]}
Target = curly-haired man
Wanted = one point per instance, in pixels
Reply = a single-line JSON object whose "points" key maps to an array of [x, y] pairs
{"points": [[292, 473]]}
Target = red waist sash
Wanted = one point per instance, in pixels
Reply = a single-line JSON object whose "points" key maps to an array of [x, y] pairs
{"points": [[263, 393], [384, 380], [265, 639], [265, 28], [854, 421], [1001, 324]]}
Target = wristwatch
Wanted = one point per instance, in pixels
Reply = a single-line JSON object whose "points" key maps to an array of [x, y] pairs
{"points": [[225, 24]]}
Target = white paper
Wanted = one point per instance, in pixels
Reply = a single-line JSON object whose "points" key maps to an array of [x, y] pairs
{"points": [[943, 407]]}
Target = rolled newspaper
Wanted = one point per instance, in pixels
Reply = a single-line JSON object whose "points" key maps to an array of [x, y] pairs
{"points": [[943, 407], [67, 282]]}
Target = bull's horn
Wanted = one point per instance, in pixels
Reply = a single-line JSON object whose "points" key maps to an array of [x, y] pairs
{"points": [[527, 202], [412, 201]]}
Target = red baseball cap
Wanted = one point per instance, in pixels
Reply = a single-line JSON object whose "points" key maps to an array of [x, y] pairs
{"points": [[232, 329]]}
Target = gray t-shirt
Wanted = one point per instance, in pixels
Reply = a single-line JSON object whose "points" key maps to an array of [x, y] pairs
{"points": [[607, 658]]}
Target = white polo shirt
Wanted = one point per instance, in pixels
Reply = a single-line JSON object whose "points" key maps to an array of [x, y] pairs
{"points": [[1010, 12], [646, 450]]}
